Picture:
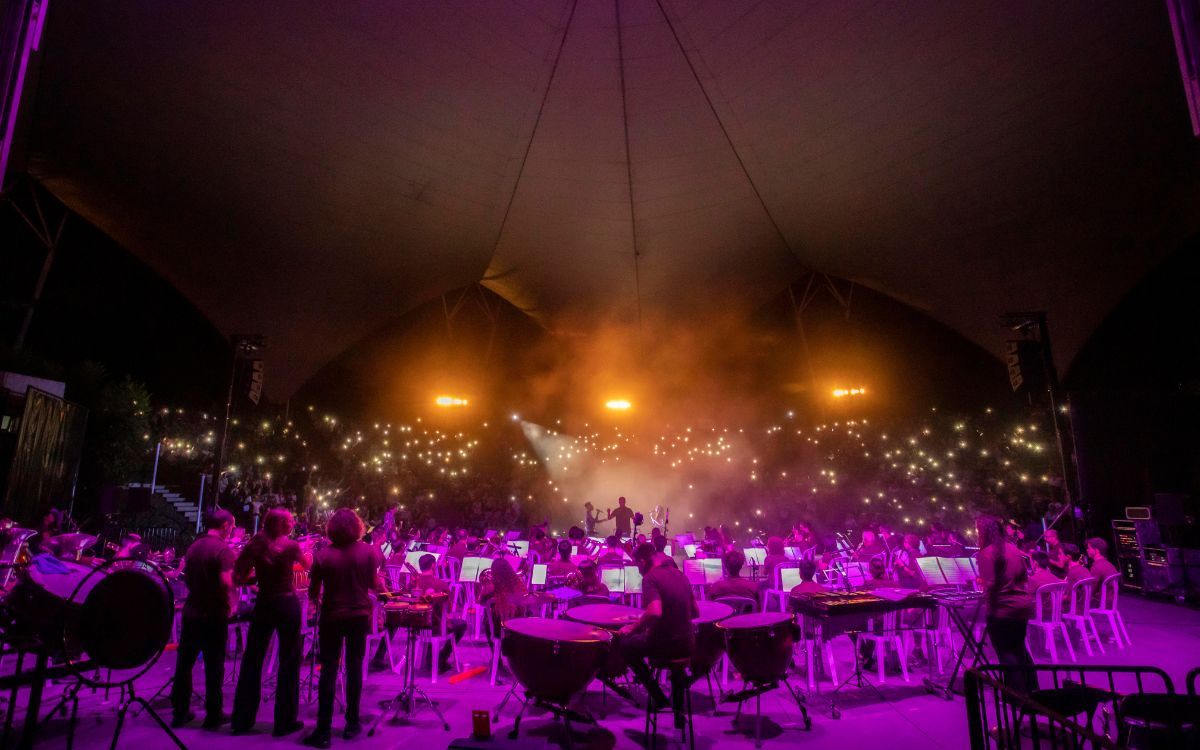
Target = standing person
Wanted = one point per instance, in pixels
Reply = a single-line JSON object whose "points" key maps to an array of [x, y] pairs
{"points": [[665, 627], [591, 517], [1007, 602], [342, 579], [208, 572], [272, 557], [622, 518]]}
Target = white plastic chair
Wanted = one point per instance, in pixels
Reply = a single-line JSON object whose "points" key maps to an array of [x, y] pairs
{"points": [[777, 591], [812, 639], [887, 636], [378, 634], [1079, 605], [1110, 587], [1048, 618]]}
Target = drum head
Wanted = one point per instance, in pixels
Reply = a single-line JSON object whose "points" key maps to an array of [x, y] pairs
{"points": [[557, 630], [62, 584], [605, 615], [755, 620], [712, 612], [125, 621]]}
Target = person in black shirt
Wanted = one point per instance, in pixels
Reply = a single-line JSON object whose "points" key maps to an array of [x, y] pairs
{"points": [[271, 556], [623, 517], [208, 572], [342, 578], [665, 629]]}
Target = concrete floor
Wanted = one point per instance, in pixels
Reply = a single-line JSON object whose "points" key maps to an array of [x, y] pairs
{"points": [[1163, 635]]}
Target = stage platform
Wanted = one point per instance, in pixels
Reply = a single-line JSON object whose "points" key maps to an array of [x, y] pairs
{"points": [[1164, 635]]}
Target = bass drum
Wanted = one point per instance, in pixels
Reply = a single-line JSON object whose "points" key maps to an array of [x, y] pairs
{"points": [[554, 660], [760, 644], [118, 615]]}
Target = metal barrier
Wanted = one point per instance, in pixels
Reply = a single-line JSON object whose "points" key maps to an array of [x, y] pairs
{"points": [[158, 538], [1121, 707]]}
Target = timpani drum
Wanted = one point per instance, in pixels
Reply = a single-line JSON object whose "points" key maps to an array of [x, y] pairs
{"points": [[610, 617], [760, 644], [710, 643], [554, 660]]}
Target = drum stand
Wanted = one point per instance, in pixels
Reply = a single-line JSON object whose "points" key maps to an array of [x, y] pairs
{"points": [[560, 712], [755, 691], [406, 701], [858, 677], [130, 699]]}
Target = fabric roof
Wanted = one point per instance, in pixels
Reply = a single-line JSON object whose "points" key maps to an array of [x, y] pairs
{"points": [[313, 170]]}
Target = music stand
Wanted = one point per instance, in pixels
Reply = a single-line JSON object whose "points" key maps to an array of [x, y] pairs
{"points": [[406, 700]]}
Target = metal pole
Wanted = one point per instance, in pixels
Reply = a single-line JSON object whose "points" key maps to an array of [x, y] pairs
{"points": [[154, 474], [200, 502]]}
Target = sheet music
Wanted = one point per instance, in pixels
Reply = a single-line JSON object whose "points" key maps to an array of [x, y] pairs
{"points": [[957, 571], [932, 570], [633, 580], [755, 555], [472, 567], [414, 558], [789, 578], [694, 570], [856, 574], [613, 578]]}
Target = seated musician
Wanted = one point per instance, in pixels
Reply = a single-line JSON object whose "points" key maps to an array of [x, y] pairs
{"points": [[1075, 571], [589, 582], [505, 593], [562, 567], [1101, 568], [877, 570], [1041, 575], [542, 545], [427, 584], [908, 572], [612, 554], [460, 548], [775, 556], [808, 569], [1054, 548], [732, 584], [665, 630], [870, 547]]}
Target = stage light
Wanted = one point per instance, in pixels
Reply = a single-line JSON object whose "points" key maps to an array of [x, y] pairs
{"points": [[618, 404], [450, 401], [844, 392]]}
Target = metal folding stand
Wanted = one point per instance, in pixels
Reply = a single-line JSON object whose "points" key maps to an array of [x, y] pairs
{"points": [[965, 628], [130, 699], [756, 691], [858, 677], [406, 700]]}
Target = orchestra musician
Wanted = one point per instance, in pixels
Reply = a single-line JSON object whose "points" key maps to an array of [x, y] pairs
{"points": [[207, 569], [665, 627], [732, 584], [271, 557], [562, 567], [1007, 602], [343, 577]]}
